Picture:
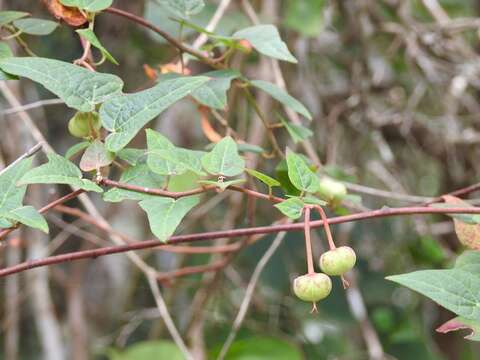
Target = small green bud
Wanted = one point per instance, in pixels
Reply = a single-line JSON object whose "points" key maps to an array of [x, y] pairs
{"points": [[312, 287], [338, 261], [79, 124], [332, 190]]}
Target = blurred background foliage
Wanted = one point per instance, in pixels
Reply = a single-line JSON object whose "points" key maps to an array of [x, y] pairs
{"points": [[393, 88]]}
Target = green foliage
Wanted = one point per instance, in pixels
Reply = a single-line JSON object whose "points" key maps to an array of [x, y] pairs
{"points": [[58, 170], [5, 52], [292, 207], [305, 16], [301, 176], [262, 348], [282, 96], [88, 5], [222, 185], [90, 36], [28, 216], [460, 323], [224, 159], [80, 88], [267, 180], [214, 92], [11, 195], [35, 26], [139, 175], [75, 149], [183, 8], [165, 214], [165, 159], [266, 40], [298, 133], [6, 17], [96, 156], [124, 115], [453, 289], [148, 350]]}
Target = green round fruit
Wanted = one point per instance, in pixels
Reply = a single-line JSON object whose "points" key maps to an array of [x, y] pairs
{"points": [[332, 189], [312, 287], [338, 261], [79, 124]]}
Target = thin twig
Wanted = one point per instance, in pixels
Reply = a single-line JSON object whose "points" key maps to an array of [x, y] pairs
{"points": [[162, 307], [242, 312], [29, 153], [141, 21], [31, 106]]}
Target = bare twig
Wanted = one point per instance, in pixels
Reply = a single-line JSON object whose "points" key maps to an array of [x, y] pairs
{"points": [[31, 106], [242, 312]]}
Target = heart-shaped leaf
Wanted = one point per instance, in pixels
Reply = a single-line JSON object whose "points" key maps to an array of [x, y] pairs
{"points": [[266, 40], [292, 207], [165, 214], [58, 170], [300, 174], [224, 159]]}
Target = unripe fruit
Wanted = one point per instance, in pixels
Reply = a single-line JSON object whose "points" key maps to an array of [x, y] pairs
{"points": [[79, 124], [331, 189], [338, 261], [312, 287]]}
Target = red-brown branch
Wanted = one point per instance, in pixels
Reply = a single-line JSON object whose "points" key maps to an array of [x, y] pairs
{"points": [[384, 212], [182, 47], [44, 209]]}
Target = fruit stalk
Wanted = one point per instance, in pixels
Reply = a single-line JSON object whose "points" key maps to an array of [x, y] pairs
{"points": [[308, 241], [326, 227]]}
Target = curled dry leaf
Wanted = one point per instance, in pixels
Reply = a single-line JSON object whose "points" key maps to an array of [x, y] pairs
{"points": [[207, 128], [460, 323], [468, 234], [71, 16]]}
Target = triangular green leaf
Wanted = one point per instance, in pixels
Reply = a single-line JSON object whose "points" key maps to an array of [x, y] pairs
{"points": [[7, 17], [214, 92], [282, 96], [27, 215], [11, 195], [165, 214], [90, 36], [266, 40], [300, 174], [88, 5], [75, 149], [224, 159], [35, 26], [455, 290], [6, 52], [183, 8], [125, 115], [267, 180], [133, 156], [292, 207], [298, 133], [469, 261], [80, 88], [222, 185], [58, 170], [96, 156]]}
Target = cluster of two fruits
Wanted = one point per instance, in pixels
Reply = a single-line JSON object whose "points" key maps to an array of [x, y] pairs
{"points": [[314, 287]]}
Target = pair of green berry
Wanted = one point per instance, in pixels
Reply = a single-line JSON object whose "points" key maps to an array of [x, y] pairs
{"points": [[317, 286]]}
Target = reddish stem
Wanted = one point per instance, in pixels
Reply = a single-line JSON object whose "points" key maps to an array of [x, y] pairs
{"points": [[326, 227], [308, 241]]}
